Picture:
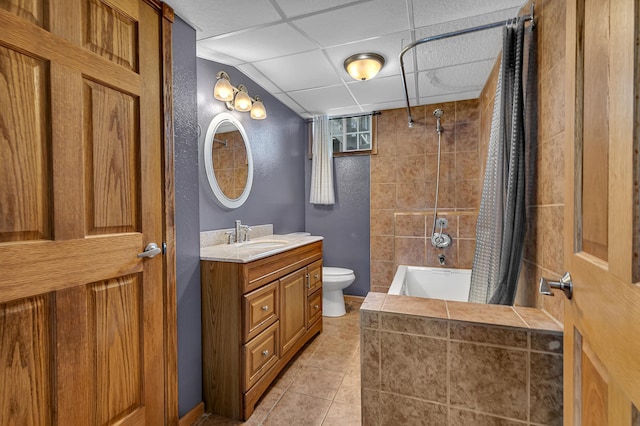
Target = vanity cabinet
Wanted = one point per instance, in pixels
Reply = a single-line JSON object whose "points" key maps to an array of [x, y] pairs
{"points": [[255, 317]]}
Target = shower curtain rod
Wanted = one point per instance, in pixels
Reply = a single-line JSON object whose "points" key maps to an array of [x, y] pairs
{"points": [[527, 18]]}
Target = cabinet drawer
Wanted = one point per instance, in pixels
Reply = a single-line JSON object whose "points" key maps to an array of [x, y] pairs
{"points": [[260, 310], [314, 307], [315, 277], [260, 354]]}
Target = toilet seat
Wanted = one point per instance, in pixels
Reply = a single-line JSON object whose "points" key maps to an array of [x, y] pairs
{"points": [[335, 272]]}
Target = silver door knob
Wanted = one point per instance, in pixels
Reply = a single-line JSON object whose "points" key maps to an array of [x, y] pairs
{"points": [[151, 250], [565, 284]]}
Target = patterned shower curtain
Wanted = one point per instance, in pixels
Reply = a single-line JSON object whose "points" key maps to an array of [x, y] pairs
{"points": [[501, 219]]}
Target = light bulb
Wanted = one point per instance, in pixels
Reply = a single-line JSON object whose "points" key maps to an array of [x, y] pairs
{"points": [[258, 112], [223, 90], [242, 101]]}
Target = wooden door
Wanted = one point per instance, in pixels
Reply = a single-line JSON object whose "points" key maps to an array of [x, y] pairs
{"points": [[602, 321], [292, 308], [81, 339]]}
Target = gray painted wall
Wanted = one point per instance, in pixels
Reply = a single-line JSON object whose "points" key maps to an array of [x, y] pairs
{"points": [[278, 146], [344, 225], [187, 217]]}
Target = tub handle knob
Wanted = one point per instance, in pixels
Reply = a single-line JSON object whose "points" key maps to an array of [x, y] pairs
{"points": [[565, 284]]}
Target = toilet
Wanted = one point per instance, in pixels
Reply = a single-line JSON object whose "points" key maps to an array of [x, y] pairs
{"points": [[334, 280]]}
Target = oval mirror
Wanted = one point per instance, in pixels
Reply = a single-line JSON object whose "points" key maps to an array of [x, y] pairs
{"points": [[228, 161]]}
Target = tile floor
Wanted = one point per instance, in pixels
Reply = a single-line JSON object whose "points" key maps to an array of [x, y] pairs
{"points": [[320, 386]]}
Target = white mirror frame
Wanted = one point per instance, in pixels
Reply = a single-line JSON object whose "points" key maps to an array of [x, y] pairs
{"points": [[208, 161]]}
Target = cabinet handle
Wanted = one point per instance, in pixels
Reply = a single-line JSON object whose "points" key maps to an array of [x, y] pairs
{"points": [[308, 282], [265, 352], [316, 307], [265, 308]]}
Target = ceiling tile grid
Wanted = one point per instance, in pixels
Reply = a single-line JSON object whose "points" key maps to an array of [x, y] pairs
{"points": [[295, 49]]}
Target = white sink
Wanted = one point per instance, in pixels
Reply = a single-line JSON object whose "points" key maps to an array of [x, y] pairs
{"points": [[264, 244]]}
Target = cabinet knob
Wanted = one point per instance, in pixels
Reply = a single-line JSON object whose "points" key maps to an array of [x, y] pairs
{"points": [[316, 276], [316, 307], [265, 352], [265, 308]]}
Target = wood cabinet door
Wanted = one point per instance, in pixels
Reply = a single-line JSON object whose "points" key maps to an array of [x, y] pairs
{"points": [[601, 237], [81, 316], [292, 309]]}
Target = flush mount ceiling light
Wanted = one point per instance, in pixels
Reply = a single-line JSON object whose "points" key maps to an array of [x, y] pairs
{"points": [[363, 66], [237, 98]]}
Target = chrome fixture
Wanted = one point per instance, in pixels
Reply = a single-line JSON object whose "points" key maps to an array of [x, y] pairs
{"points": [[240, 233], [441, 259], [441, 240], [151, 250], [438, 113], [528, 18], [363, 66], [237, 98], [565, 284]]}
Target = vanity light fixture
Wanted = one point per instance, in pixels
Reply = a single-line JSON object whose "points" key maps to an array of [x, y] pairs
{"points": [[237, 98], [363, 66]]}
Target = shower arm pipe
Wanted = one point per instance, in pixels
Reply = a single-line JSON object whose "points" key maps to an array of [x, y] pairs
{"points": [[527, 18]]}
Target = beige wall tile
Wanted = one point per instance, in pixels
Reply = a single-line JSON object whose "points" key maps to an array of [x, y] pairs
{"points": [[383, 196], [381, 222], [466, 253], [468, 110], [478, 333], [486, 314], [480, 383], [421, 306], [369, 319], [553, 239], [551, 102], [546, 389], [382, 273], [399, 410], [414, 325], [410, 168], [467, 418], [467, 165], [550, 171], [370, 366], [467, 135], [382, 248], [410, 224], [468, 194], [547, 342], [383, 169], [450, 253], [414, 366], [411, 196], [371, 408], [410, 251]]}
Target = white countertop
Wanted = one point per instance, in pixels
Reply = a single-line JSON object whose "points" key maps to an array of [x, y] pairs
{"points": [[255, 249]]}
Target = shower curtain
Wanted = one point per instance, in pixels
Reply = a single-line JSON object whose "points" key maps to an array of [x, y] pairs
{"points": [[501, 219]]}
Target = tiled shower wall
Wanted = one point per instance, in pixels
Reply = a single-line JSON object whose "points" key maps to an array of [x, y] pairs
{"points": [[543, 252], [403, 186]]}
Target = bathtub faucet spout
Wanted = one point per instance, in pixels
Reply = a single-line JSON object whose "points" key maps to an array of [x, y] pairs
{"points": [[441, 259]]}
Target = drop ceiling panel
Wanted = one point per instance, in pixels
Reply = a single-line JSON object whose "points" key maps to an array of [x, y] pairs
{"points": [[436, 11], [380, 90], [255, 75], [293, 8], [354, 23], [212, 55], [301, 71], [261, 43], [220, 17], [471, 47], [285, 99], [334, 112], [456, 79], [318, 100], [388, 46]]}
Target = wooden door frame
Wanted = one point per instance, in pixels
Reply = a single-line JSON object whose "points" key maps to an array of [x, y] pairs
{"points": [[170, 332]]}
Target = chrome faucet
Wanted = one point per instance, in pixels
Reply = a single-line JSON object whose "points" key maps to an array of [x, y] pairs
{"points": [[240, 233], [441, 259]]}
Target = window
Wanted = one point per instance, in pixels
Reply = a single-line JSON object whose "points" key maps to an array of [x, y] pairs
{"points": [[352, 135]]}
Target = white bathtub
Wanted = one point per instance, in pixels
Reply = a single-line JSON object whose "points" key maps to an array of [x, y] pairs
{"points": [[434, 283]]}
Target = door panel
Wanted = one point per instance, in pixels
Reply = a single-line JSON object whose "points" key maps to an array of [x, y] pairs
{"points": [[602, 369], [25, 210], [31, 10], [112, 153], [80, 311], [25, 349]]}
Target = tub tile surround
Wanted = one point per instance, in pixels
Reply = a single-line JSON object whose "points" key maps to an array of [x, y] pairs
{"points": [[403, 186], [428, 361]]}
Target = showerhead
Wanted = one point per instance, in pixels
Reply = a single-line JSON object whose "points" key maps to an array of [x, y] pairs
{"points": [[438, 113]]}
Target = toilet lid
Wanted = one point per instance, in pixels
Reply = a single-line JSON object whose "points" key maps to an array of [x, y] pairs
{"points": [[327, 270]]}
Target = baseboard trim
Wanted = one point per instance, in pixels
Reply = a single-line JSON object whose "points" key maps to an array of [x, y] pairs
{"points": [[351, 299], [192, 416]]}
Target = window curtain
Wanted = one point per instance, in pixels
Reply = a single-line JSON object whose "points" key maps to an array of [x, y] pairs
{"points": [[322, 191]]}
